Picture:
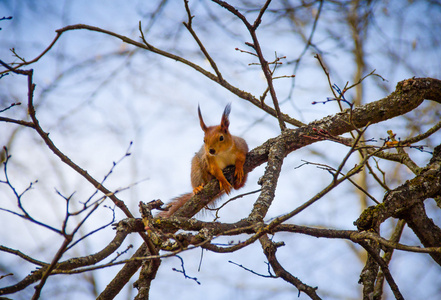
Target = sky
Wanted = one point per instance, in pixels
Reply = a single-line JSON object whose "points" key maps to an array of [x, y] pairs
{"points": [[96, 95]]}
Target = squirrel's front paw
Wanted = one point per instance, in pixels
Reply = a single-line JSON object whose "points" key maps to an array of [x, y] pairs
{"points": [[226, 186], [238, 174], [239, 178]]}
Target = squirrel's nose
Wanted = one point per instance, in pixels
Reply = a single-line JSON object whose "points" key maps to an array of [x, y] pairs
{"points": [[212, 151]]}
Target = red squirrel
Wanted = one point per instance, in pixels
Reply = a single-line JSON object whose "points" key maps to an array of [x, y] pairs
{"points": [[220, 149]]}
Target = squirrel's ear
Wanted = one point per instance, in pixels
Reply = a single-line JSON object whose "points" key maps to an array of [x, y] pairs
{"points": [[225, 122], [201, 121]]}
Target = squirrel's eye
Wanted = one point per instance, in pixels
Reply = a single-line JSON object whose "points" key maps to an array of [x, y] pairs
{"points": [[221, 138]]}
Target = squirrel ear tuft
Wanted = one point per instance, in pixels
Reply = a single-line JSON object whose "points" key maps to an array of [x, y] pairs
{"points": [[225, 122], [201, 121]]}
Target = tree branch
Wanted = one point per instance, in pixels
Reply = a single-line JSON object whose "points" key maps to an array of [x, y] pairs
{"points": [[70, 264], [408, 95], [270, 251], [406, 201]]}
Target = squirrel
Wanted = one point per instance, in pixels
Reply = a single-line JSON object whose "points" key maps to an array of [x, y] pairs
{"points": [[220, 149]]}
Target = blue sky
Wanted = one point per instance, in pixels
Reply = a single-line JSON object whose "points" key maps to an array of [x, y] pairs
{"points": [[95, 95]]}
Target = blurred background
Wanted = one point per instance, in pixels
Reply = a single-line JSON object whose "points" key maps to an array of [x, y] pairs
{"points": [[96, 95]]}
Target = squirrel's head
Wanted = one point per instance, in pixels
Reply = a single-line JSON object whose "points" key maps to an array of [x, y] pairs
{"points": [[217, 138]]}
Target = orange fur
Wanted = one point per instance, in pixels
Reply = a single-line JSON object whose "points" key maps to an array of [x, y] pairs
{"points": [[220, 149]]}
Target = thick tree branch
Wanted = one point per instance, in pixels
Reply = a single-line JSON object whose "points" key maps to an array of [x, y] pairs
{"points": [[123, 276], [269, 181], [406, 201], [370, 272], [246, 226]]}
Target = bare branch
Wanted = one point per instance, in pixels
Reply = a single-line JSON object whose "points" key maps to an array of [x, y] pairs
{"points": [[262, 60], [70, 264], [22, 255], [198, 41], [270, 251]]}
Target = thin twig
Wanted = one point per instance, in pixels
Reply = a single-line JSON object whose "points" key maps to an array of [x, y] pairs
{"points": [[261, 12], [183, 270], [22, 255], [188, 25], [262, 60], [308, 44], [253, 272]]}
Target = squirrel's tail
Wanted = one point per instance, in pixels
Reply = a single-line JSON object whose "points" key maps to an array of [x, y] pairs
{"points": [[175, 204]]}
